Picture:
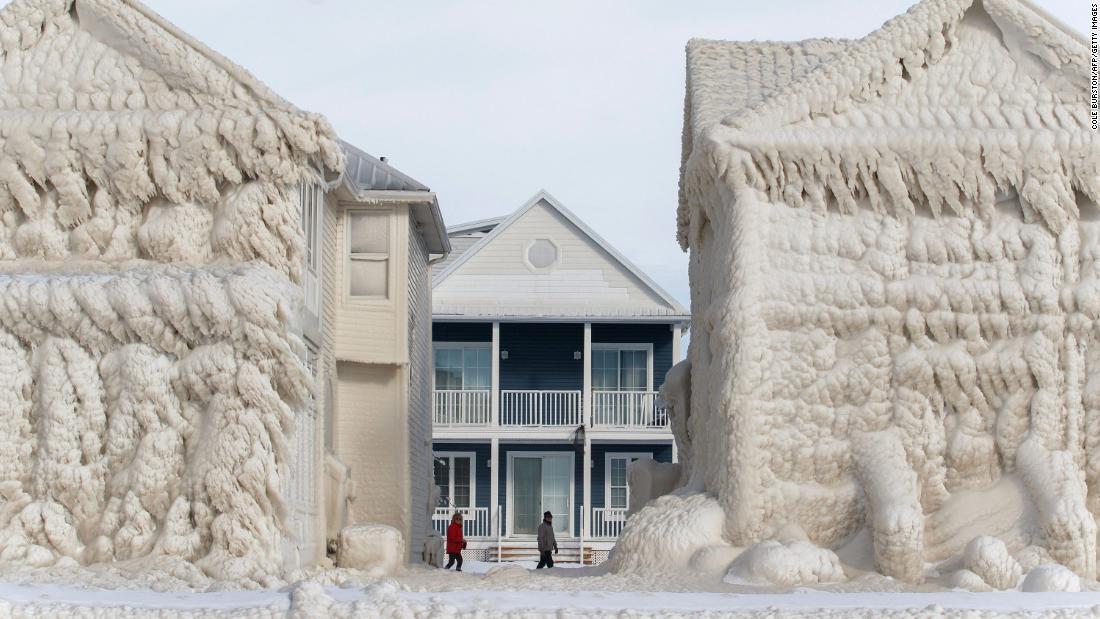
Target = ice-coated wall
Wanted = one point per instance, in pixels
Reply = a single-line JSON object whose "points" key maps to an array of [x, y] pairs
{"points": [[150, 251], [895, 297]]}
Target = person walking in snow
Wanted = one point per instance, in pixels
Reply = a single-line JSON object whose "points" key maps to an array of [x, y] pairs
{"points": [[547, 541], [456, 543]]}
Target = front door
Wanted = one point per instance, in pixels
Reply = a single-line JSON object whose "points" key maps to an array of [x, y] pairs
{"points": [[540, 484]]}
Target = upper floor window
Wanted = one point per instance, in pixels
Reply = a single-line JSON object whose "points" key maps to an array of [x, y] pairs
{"points": [[463, 367], [621, 367], [369, 253], [311, 198]]}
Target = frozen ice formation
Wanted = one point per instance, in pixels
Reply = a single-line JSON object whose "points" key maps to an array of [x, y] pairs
{"points": [[375, 549], [895, 266], [797, 562], [1051, 578], [987, 557], [149, 249]]}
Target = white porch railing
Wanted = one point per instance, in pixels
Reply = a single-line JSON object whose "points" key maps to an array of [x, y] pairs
{"points": [[540, 408], [475, 520], [607, 522], [454, 407], [628, 409]]}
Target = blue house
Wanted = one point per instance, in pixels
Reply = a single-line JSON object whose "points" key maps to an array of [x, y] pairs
{"points": [[549, 348]]}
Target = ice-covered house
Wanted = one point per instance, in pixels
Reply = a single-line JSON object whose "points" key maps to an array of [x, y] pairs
{"points": [[376, 237], [894, 256], [151, 268], [549, 347]]}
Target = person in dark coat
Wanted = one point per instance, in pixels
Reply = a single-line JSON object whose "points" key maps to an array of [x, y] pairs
{"points": [[547, 541], [456, 543]]}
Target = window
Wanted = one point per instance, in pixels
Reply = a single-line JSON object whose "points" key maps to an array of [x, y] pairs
{"points": [[462, 367], [624, 367], [454, 475], [618, 491], [368, 253], [311, 199], [542, 254]]}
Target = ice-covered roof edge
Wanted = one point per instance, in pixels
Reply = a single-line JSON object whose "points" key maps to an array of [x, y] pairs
{"points": [[328, 157], [543, 195], [388, 184], [917, 36]]}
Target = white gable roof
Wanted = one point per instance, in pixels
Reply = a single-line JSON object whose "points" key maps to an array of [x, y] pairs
{"points": [[590, 279]]}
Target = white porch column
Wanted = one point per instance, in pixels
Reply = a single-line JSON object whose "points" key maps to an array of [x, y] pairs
{"points": [[494, 479], [675, 452], [586, 398], [677, 335], [494, 381], [587, 477]]}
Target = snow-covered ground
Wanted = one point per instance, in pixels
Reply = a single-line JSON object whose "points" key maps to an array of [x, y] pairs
{"points": [[492, 590]]}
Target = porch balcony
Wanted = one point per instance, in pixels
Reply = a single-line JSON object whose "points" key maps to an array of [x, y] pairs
{"points": [[626, 410], [475, 521], [606, 522]]}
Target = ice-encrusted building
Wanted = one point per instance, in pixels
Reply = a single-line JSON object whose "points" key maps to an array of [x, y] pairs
{"points": [[894, 246], [165, 224]]}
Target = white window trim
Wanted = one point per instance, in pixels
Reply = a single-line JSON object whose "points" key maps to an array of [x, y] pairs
{"points": [[452, 345], [451, 472], [647, 347], [608, 457], [349, 256], [509, 485]]}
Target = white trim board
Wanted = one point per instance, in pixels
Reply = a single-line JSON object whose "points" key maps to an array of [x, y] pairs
{"points": [[544, 196]]}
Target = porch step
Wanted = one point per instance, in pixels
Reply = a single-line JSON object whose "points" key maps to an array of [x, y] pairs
{"points": [[566, 554]]}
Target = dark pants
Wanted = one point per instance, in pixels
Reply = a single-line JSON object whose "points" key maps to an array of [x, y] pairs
{"points": [[546, 559], [454, 556]]}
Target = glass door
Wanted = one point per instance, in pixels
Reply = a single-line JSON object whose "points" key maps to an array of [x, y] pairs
{"points": [[540, 484], [526, 495]]}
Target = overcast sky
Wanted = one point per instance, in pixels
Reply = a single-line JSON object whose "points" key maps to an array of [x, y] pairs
{"points": [[487, 102]]}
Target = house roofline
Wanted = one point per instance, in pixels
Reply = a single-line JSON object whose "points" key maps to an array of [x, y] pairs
{"points": [[684, 320], [539, 196]]}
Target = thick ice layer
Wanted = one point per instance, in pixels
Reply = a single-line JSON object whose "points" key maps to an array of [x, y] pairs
{"points": [[146, 410]]}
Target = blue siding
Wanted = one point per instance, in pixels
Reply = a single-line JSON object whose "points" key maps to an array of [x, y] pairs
{"points": [[540, 356], [462, 332], [482, 453], [662, 452], [578, 475], [660, 335]]}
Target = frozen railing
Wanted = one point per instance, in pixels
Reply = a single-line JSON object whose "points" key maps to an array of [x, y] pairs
{"points": [[475, 520], [628, 409], [455, 407], [540, 408], [607, 522]]}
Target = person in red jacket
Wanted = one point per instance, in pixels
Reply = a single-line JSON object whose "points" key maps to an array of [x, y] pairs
{"points": [[455, 542]]}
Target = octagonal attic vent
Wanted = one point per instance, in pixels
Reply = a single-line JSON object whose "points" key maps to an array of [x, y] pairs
{"points": [[542, 254]]}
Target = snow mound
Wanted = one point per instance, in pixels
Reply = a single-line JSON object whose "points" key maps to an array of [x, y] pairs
{"points": [[966, 579], [1051, 578], [375, 549], [785, 564], [665, 534], [988, 558]]}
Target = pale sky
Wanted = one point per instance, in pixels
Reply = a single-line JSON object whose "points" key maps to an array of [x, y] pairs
{"points": [[487, 102]]}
